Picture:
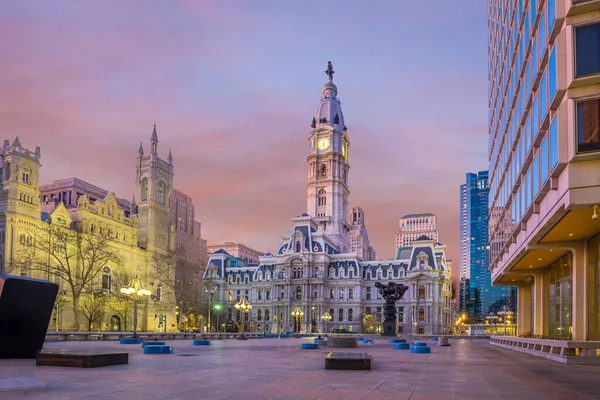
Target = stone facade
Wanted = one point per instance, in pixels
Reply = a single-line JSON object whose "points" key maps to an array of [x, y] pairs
{"points": [[29, 211], [315, 268]]}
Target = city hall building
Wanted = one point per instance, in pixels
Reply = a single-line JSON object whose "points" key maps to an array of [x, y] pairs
{"points": [[322, 275]]}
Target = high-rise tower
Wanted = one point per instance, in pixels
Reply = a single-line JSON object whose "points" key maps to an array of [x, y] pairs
{"points": [[154, 177], [328, 166]]}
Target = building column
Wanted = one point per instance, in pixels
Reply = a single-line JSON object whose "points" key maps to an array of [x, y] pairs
{"points": [[579, 305], [540, 305], [524, 308]]}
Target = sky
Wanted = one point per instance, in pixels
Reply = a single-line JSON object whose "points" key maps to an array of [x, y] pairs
{"points": [[232, 87]]}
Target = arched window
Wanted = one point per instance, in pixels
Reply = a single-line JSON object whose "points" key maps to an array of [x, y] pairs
{"points": [[260, 295], [322, 198], [106, 279], [7, 172], [323, 170], [341, 314], [25, 175], [422, 264], [421, 330], [351, 294], [266, 314], [144, 189], [161, 193], [421, 314], [259, 314], [298, 247], [282, 294], [350, 311], [421, 292], [298, 293]]}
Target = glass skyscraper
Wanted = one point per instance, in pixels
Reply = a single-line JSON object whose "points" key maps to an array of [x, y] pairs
{"points": [[544, 154], [477, 296]]}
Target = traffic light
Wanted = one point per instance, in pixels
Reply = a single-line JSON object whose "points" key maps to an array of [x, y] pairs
{"points": [[160, 319]]}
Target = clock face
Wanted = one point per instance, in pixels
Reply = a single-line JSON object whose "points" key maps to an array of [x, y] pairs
{"points": [[323, 144]]}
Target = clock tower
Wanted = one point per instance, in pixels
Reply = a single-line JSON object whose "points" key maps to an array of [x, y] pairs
{"points": [[328, 166]]}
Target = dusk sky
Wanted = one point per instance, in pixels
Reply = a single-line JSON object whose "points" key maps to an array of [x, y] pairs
{"points": [[233, 86]]}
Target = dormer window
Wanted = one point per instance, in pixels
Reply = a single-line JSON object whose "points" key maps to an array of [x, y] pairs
{"points": [[298, 247]]}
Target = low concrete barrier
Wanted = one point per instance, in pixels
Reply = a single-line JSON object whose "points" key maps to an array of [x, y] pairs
{"points": [[564, 351]]}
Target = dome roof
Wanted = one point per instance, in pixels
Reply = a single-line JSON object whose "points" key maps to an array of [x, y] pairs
{"points": [[329, 111]]}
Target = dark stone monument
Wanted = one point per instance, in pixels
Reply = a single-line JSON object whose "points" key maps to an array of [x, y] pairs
{"points": [[25, 310], [392, 292], [81, 358], [348, 361]]}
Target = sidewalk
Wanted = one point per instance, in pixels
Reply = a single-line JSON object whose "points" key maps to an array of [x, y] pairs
{"points": [[279, 369]]}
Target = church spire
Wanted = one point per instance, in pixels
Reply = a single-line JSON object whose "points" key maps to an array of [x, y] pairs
{"points": [[170, 158], [154, 141], [141, 150]]}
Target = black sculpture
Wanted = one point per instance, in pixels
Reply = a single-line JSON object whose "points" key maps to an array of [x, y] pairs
{"points": [[336, 120], [392, 292], [313, 124]]}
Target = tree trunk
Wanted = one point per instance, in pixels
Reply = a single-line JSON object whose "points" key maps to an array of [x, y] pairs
{"points": [[75, 313]]}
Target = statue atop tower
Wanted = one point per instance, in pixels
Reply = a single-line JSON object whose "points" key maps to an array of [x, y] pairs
{"points": [[330, 70]]}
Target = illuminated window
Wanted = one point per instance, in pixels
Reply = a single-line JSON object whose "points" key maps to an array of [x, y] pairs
{"points": [[25, 175], [323, 170], [421, 314], [259, 314], [341, 314], [266, 314], [421, 292], [298, 293], [350, 311]]}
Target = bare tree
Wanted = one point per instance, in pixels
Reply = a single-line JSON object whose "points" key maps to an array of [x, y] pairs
{"points": [[371, 323], [119, 303], [181, 277], [75, 254], [92, 306]]}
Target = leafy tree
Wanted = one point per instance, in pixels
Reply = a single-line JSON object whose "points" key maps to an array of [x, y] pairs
{"points": [[75, 254], [371, 323]]}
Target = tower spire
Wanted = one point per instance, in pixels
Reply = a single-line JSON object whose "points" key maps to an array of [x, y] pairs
{"points": [[154, 141]]}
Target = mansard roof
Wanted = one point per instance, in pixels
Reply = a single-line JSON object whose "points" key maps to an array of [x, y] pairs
{"points": [[423, 237], [221, 251]]}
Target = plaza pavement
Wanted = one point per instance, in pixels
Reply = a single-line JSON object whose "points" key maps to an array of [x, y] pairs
{"points": [[278, 369]]}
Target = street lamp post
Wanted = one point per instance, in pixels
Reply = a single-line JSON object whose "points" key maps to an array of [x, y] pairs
{"points": [[136, 291], [217, 308], [244, 307], [210, 292], [297, 313], [326, 317]]}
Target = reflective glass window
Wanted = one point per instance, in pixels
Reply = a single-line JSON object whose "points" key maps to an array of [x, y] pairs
{"points": [[528, 188], [533, 9], [543, 97], [551, 14], [552, 75], [542, 35], [553, 142], [535, 119], [587, 50], [536, 174], [544, 160], [526, 27], [588, 126]]}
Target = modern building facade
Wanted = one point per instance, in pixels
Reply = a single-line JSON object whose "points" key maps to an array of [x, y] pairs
{"points": [[477, 296], [314, 281], [413, 226], [544, 153]]}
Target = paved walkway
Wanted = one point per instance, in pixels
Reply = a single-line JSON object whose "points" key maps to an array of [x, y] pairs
{"points": [[279, 369]]}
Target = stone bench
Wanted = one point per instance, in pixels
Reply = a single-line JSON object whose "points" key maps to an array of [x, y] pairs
{"points": [[201, 342], [342, 342], [158, 350], [80, 358], [310, 345], [348, 361]]}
